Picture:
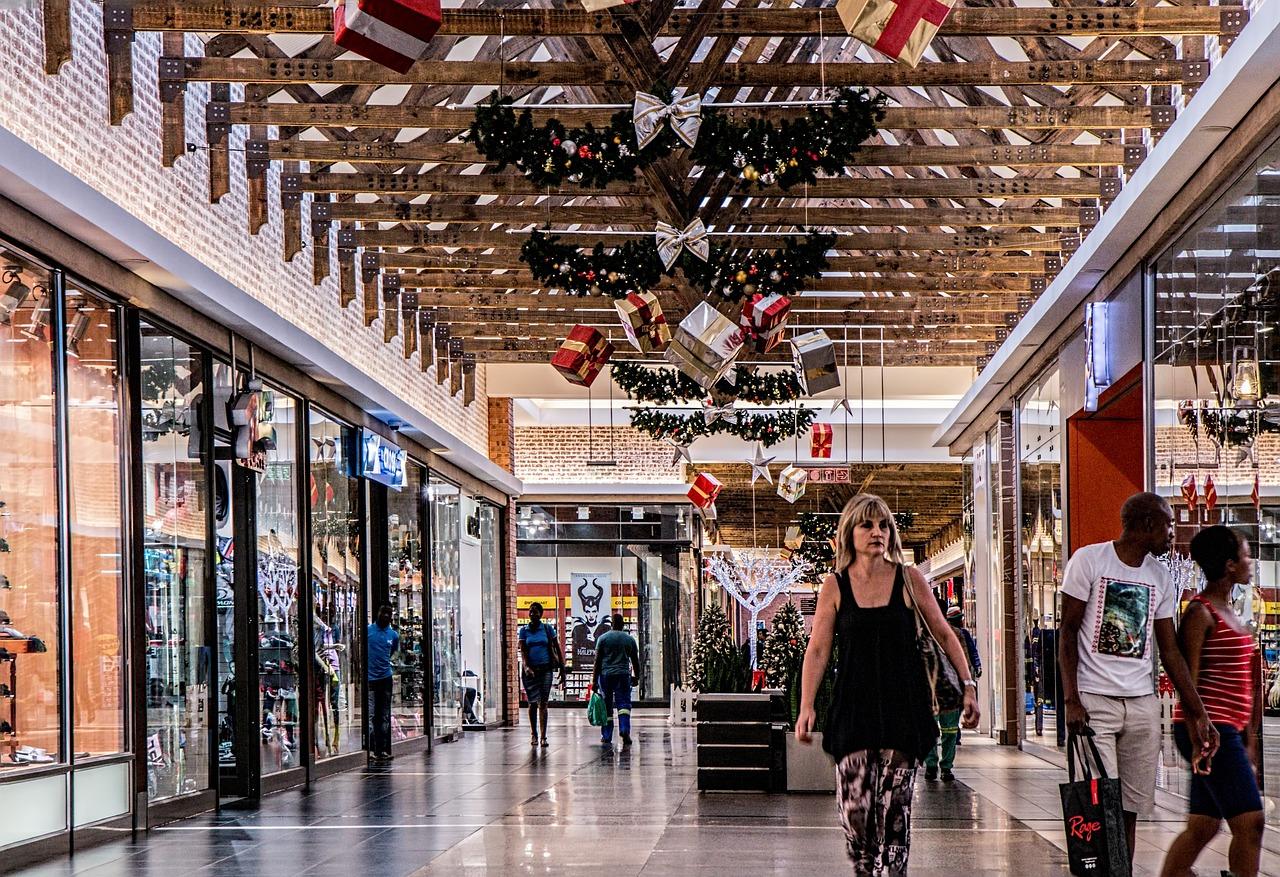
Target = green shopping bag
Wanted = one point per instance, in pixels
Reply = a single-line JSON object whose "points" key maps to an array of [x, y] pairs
{"points": [[596, 713]]}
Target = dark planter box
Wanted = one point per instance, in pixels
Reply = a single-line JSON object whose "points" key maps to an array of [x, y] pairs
{"points": [[741, 743]]}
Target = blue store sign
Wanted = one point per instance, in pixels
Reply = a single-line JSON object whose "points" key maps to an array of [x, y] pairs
{"points": [[382, 461]]}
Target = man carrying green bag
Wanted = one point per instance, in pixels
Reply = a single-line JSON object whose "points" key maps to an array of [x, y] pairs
{"points": [[617, 668]]}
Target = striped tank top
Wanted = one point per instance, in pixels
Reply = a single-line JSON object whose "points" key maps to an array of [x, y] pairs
{"points": [[1226, 677]]}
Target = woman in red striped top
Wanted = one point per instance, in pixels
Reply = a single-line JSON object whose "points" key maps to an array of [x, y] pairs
{"points": [[1221, 655]]}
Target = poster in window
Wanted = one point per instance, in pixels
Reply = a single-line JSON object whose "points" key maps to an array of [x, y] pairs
{"points": [[592, 599]]}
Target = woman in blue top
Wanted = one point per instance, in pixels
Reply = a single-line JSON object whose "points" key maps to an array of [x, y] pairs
{"points": [[541, 654]]}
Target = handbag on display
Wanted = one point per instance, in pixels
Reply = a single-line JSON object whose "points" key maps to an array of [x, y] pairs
{"points": [[948, 692], [1093, 816]]}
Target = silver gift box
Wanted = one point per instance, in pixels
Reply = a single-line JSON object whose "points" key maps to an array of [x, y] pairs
{"points": [[705, 345], [815, 359]]}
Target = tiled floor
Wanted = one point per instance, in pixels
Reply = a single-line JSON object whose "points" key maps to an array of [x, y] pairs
{"points": [[492, 805]]}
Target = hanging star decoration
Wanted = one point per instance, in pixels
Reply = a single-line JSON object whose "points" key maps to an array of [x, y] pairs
{"points": [[1247, 454], [760, 465], [842, 402], [681, 452]]}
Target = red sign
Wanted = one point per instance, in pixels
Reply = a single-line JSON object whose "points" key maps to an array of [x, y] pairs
{"points": [[829, 475]]}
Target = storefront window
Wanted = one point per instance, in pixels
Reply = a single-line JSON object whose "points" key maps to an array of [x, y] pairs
{"points": [[489, 525], [336, 584], [583, 563], [97, 579], [1217, 380], [175, 503], [446, 606], [29, 574], [1040, 470], [404, 593], [278, 563]]}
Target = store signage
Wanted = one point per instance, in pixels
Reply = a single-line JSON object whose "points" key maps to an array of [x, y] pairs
{"points": [[381, 461], [829, 475], [1097, 358]]}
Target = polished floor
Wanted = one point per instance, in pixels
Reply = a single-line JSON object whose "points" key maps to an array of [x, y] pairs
{"points": [[490, 804]]}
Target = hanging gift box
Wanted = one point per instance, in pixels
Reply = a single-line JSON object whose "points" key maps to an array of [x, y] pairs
{"points": [[793, 538], [705, 345], [792, 482], [820, 441], [764, 320], [901, 29], [704, 491], [815, 359], [644, 322], [394, 33], [582, 355]]}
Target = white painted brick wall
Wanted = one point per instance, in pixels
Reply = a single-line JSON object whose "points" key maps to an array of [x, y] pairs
{"points": [[65, 117], [559, 454]]}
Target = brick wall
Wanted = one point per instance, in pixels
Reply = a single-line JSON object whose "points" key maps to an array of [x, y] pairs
{"points": [[559, 454], [65, 117], [1175, 446], [502, 433]]}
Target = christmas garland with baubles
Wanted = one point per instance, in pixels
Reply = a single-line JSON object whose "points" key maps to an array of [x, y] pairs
{"points": [[636, 267], [768, 428], [795, 151], [666, 386]]}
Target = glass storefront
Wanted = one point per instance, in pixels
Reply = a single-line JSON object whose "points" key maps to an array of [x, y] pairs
{"points": [[445, 510], [488, 704], [405, 596], [175, 544], [585, 562], [1215, 437], [337, 587]]}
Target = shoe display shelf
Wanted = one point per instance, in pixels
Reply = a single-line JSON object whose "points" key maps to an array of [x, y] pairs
{"points": [[10, 741]]}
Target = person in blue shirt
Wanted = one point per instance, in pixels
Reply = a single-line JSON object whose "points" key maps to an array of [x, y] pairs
{"points": [[542, 657], [382, 642], [617, 668]]}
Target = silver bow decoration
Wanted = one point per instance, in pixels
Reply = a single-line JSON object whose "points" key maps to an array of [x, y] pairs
{"points": [[671, 239], [685, 114]]}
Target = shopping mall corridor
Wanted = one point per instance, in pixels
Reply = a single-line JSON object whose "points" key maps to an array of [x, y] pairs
{"points": [[490, 804]]}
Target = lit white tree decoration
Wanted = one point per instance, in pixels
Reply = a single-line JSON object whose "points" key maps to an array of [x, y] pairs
{"points": [[754, 577]]}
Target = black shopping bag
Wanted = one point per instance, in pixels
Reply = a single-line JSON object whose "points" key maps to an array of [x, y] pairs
{"points": [[1093, 816]]}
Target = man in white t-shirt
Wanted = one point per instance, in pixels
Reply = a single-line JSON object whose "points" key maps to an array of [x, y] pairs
{"points": [[1117, 602]]}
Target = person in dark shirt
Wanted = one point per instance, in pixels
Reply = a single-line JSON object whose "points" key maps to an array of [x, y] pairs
{"points": [[382, 642], [617, 668]]}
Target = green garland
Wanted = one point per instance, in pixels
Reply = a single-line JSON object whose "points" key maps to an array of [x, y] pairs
{"points": [[666, 386], [635, 267], [818, 531], [767, 428], [824, 140]]}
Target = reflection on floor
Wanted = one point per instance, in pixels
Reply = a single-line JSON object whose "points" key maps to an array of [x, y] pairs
{"points": [[490, 804]]}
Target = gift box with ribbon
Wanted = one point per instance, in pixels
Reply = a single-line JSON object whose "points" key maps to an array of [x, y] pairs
{"points": [[815, 359], [704, 491], [644, 322], [394, 33], [793, 538], [705, 345], [582, 355], [820, 441], [901, 29], [792, 482], [764, 320]]}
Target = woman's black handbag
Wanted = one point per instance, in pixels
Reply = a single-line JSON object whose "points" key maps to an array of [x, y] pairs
{"points": [[1093, 816], [948, 692]]}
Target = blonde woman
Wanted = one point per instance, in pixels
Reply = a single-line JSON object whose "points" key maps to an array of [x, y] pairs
{"points": [[880, 725]]}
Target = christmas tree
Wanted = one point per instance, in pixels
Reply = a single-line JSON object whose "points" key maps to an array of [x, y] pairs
{"points": [[717, 662], [783, 656]]}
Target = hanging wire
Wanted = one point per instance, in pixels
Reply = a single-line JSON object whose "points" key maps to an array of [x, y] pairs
{"points": [[883, 450]]}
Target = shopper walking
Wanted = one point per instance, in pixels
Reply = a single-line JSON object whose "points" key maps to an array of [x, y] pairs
{"points": [[382, 642], [949, 720], [617, 668], [542, 656], [1117, 600], [1220, 653], [880, 725]]}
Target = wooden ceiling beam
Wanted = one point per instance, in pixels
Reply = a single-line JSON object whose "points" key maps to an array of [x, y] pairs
{"points": [[524, 280], [448, 296], [466, 312], [1138, 74], [340, 115], [897, 357], [1067, 21]]}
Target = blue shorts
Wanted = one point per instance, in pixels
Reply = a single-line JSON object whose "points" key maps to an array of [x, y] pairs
{"points": [[537, 687], [1230, 787]]}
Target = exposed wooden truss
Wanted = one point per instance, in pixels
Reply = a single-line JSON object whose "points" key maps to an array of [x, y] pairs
{"points": [[996, 155]]}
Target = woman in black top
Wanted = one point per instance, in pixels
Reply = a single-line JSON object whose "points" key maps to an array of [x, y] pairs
{"points": [[880, 725]]}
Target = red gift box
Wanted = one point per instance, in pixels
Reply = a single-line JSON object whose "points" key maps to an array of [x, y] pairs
{"points": [[820, 441], [394, 33], [764, 319], [582, 355], [704, 491], [643, 321]]}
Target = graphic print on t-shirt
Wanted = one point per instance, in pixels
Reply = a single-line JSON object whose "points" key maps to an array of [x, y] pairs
{"points": [[1122, 623]]}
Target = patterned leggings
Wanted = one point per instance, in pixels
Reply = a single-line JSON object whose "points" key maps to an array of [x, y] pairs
{"points": [[873, 790]]}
